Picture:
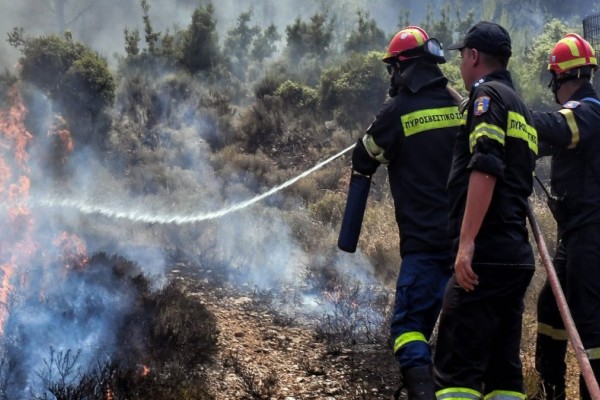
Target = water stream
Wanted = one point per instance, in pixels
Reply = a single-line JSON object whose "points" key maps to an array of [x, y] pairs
{"points": [[87, 206]]}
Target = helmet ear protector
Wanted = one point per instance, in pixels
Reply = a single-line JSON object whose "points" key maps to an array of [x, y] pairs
{"points": [[431, 49]]}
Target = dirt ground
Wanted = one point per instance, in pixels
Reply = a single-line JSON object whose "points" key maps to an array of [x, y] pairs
{"points": [[264, 356]]}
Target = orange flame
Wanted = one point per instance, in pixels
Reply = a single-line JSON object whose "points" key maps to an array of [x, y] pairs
{"points": [[14, 191], [63, 142], [73, 250], [12, 125], [109, 394]]}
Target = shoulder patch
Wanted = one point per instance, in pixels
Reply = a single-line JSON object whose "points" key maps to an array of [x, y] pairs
{"points": [[481, 105], [571, 104]]}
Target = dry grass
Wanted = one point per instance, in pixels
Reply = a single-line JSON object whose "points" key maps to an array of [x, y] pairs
{"points": [[548, 227], [379, 238]]}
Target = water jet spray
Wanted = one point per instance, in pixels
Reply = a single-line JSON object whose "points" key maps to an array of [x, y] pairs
{"points": [[88, 206]]}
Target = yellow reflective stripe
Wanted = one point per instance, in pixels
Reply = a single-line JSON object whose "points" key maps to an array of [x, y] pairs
{"points": [[417, 35], [504, 395], [374, 151], [593, 354], [570, 43], [407, 338], [576, 62], [570, 117], [519, 128], [554, 333], [433, 118], [457, 393], [487, 130]]}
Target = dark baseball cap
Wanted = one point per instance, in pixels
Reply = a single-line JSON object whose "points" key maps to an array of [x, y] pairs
{"points": [[487, 37]]}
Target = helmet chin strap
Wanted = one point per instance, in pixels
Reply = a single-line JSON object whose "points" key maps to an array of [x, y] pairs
{"points": [[555, 85], [395, 81], [558, 80]]}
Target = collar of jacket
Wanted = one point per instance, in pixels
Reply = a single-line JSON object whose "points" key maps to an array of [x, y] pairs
{"points": [[501, 75], [420, 73], [586, 90]]}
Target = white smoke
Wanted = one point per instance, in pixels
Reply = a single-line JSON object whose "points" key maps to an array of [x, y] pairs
{"points": [[61, 310]]}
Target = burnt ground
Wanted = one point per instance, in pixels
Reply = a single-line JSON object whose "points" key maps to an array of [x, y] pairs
{"points": [[264, 354]]}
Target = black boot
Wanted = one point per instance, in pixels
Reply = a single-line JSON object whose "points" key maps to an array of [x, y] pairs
{"points": [[419, 383], [550, 363]]}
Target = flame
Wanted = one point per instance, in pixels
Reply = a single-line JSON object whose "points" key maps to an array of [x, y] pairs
{"points": [[12, 125], [17, 246], [63, 143], [73, 250], [109, 394], [7, 273], [145, 370]]}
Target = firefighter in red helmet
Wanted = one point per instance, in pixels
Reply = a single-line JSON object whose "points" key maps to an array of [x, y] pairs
{"points": [[570, 135], [413, 136]]}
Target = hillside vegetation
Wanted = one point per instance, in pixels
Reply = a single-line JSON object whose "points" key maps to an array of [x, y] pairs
{"points": [[192, 121]]}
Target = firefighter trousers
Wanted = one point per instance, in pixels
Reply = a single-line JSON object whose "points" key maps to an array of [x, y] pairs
{"points": [[577, 264], [419, 294], [477, 350]]}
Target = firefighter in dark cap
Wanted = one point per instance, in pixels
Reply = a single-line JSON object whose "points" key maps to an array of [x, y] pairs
{"points": [[477, 350], [574, 139], [413, 136]]}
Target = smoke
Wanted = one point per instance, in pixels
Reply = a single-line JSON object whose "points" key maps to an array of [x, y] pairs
{"points": [[58, 313], [78, 198], [100, 24]]}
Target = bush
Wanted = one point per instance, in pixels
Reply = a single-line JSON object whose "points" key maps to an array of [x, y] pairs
{"points": [[329, 208], [354, 91], [74, 76], [261, 124], [302, 98]]}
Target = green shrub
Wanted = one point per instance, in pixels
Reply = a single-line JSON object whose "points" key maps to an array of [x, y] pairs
{"points": [[301, 97], [74, 76], [354, 91]]}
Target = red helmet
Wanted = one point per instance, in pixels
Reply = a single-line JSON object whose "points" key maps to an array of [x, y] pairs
{"points": [[572, 51], [408, 38]]}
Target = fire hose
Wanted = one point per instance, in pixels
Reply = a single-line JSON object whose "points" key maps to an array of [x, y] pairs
{"points": [[563, 308]]}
